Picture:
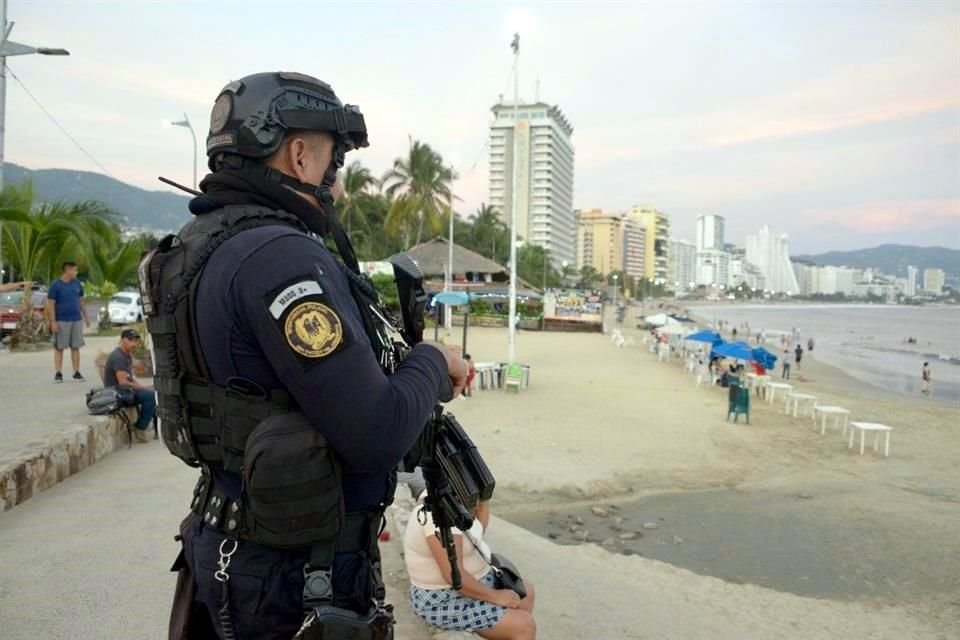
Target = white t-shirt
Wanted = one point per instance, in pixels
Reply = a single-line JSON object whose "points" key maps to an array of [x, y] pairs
{"points": [[421, 564]]}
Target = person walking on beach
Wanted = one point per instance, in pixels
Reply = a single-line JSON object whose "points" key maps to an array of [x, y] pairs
{"points": [[926, 379], [799, 352], [810, 344], [67, 313], [786, 364]]}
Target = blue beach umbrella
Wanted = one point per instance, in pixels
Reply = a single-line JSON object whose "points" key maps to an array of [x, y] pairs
{"points": [[452, 298], [734, 351], [710, 337], [766, 359]]}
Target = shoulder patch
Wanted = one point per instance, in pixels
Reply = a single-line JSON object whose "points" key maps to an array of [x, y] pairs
{"points": [[307, 320], [291, 294], [313, 330]]}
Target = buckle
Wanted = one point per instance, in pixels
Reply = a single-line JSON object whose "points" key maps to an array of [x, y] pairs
{"points": [[317, 587], [340, 118]]}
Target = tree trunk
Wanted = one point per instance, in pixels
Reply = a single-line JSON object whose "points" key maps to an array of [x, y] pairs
{"points": [[419, 227]]}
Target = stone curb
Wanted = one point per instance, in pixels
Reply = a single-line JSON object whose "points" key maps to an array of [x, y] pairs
{"points": [[48, 462]]}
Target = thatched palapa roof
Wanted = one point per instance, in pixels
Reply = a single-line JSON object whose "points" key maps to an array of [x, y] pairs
{"points": [[432, 256]]}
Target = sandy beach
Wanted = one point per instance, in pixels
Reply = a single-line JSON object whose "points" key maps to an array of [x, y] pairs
{"points": [[612, 446]]}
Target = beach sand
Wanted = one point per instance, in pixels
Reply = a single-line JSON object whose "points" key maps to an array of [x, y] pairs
{"points": [[773, 504]]}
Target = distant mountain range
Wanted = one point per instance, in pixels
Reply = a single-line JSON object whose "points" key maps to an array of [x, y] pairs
{"points": [[893, 259], [166, 211], [158, 210]]}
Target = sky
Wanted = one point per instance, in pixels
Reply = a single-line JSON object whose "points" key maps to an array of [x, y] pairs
{"points": [[836, 123]]}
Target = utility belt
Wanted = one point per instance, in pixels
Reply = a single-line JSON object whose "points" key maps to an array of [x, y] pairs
{"points": [[218, 511], [323, 621]]}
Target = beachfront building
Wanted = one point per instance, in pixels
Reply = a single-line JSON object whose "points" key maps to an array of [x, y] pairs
{"points": [[834, 280], [713, 268], [741, 271], [682, 269], [910, 287], [808, 277], [771, 254], [545, 214], [656, 252], [933, 281], [713, 261], [610, 242], [710, 232]]}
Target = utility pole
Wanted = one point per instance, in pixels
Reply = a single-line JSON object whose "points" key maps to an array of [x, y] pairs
{"points": [[9, 48], [512, 330]]}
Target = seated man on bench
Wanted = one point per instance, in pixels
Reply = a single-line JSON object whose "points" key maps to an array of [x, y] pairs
{"points": [[118, 372]]}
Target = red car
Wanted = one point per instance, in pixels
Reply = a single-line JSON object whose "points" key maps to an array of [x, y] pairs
{"points": [[11, 308]]}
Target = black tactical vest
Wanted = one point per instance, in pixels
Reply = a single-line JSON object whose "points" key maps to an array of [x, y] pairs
{"points": [[200, 422]]}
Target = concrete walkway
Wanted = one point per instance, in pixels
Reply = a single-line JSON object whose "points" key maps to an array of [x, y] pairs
{"points": [[33, 410], [89, 559]]}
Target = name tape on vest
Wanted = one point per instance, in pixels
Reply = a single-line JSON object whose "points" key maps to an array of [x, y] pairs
{"points": [[293, 293]]}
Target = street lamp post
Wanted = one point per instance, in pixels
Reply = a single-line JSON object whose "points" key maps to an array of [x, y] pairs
{"points": [[512, 329], [615, 278], [9, 48], [448, 317], [186, 123]]}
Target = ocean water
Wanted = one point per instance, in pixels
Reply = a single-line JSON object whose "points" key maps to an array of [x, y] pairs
{"points": [[866, 341]]}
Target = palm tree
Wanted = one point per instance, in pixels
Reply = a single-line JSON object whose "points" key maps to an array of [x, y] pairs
{"points": [[110, 258], [35, 236], [419, 186], [487, 229], [357, 181]]}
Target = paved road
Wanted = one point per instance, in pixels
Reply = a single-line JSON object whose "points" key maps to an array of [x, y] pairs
{"points": [[89, 559], [32, 407]]}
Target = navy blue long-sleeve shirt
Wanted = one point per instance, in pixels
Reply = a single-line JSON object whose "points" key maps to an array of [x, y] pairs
{"points": [[246, 297]]}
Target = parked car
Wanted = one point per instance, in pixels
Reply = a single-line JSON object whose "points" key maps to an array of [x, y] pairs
{"points": [[11, 308], [125, 307]]}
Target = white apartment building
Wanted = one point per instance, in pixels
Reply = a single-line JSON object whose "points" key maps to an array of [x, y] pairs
{"points": [[910, 290], [713, 267], [544, 177], [742, 272], [682, 265], [710, 232], [771, 254]]}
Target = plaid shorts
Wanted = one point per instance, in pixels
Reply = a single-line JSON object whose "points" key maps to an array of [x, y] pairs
{"points": [[450, 610]]}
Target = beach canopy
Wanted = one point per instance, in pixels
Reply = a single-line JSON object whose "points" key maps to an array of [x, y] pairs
{"points": [[734, 351], [711, 337], [662, 319], [766, 359]]}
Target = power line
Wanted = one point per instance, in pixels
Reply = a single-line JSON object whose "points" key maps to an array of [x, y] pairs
{"points": [[58, 125]]}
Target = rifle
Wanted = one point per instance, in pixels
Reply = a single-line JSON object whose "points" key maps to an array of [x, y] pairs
{"points": [[456, 475]]}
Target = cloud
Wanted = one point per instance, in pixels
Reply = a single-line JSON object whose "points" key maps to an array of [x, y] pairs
{"points": [[888, 217]]}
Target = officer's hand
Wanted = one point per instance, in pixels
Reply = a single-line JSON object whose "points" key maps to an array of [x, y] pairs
{"points": [[457, 368]]}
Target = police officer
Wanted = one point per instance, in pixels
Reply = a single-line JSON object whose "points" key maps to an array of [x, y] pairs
{"points": [[251, 309]]}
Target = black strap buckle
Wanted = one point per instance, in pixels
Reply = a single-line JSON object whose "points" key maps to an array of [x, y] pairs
{"points": [[317, 587]]}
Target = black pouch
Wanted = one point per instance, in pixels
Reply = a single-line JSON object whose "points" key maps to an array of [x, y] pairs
{"points": [[291, 484], [333, 623]]}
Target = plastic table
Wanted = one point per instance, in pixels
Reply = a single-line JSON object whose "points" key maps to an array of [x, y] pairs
{"points": [[774, 387], [840, 415], [796, 399], [863, 427]]}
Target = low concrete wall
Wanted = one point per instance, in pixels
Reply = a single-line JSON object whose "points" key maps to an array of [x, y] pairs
{"points": [[45, 463]]}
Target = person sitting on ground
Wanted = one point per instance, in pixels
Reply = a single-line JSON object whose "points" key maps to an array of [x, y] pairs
{"points": [[479, 607], [118, 372]]}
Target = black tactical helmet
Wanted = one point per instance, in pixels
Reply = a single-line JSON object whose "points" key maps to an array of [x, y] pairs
{"points": [[251, 116]]}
